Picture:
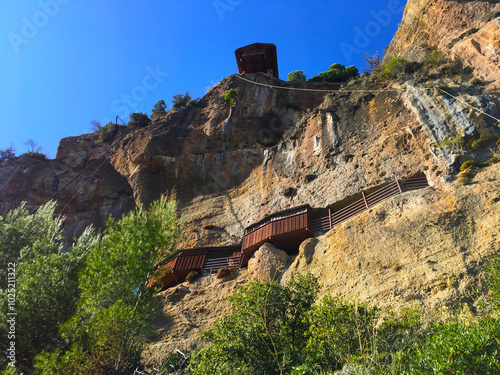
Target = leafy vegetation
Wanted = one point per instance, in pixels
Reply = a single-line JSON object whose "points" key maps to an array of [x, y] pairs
{"points": [[85, 311], [46, 278], [7, 156], [336, 73], [138, 120], [264, 335], [231, 96], [297, 76], [396, 67], [107, 132], [159, 110], [276, 329], [180, 101], [109, 328]]}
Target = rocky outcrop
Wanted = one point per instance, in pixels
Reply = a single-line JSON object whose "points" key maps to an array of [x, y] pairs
{"points": [[424, 248], [469, 30], [268, 263], [94, 195]]}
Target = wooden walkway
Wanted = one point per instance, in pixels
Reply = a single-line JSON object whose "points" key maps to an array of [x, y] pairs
{"points": [[285, 229]]}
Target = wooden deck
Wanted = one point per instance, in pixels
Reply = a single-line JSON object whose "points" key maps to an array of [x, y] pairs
{"points": [[286, 230]]}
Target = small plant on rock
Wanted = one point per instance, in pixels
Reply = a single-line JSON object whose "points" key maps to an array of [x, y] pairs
{"points": [[231, 96], [223, 272]]}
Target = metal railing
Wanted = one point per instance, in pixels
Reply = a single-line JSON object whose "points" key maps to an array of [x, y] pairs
{"points": [[212, 266], [366, 201]]}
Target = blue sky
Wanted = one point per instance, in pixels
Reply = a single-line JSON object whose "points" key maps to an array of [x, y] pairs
{"points": [[67, 62]]}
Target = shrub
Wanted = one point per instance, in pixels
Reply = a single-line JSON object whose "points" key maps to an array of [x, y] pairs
{"points": [[46, 278], [397, 66], [467, 165], [231, 96], [339, 331], [138, 120], [192, 276], [493, 279], [453, 348], [296, 76], [223, 272], [336, 73], [266, 332], [159, 110], [7, 156], [180, 101], [434, 58], [107, 132], [34, 155]]}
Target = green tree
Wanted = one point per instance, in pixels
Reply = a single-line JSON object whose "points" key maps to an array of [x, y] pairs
{"points": [[266, 332], [159, 110], [7, 156], [336, 73], [46, 278], [107, 333], [138, 120], [296, 75], [180, 101]]}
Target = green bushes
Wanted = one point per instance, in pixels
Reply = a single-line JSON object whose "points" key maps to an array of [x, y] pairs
{"points": [[336, 73], [159, 110], [138, 120], [277, 329], [296, 76], [264, 335], [108, 330], [231, 96], [7, 156], [107, 132], [396, 67], [46, 278], [180, 101]]}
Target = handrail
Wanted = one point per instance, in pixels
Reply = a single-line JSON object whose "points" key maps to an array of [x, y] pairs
{"points": [[327, 222], [367, 201]]}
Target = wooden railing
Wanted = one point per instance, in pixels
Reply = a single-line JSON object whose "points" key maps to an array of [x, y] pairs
{"points": [[212, 266], [366, 201]]}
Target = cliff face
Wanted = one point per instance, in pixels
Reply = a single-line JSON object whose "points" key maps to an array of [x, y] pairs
{"points": [[97, 193], [282, 146], [466, 29]]}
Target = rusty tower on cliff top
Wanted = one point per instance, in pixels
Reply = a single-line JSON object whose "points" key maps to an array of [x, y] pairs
{"points": [[257, 57]]}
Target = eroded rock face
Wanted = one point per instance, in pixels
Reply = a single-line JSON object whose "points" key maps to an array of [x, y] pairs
{"points": [[423, 248], [96, 194], [468, 29]]}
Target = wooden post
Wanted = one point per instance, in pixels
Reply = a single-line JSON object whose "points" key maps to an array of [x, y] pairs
{"points": [[397, 183], [364, 198]]}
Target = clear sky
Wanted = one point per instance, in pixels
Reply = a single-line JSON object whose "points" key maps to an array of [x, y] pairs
{"points": [[66, 62]]}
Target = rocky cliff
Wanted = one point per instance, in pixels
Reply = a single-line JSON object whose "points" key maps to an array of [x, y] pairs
{"points": [[287, 144], [467, 29]]}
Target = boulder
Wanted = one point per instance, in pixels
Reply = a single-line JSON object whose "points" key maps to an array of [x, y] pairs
{"points": [[268, 263]]}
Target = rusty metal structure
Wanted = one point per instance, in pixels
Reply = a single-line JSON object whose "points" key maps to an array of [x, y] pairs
{"points": [[285, 229], [257, 57]]}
